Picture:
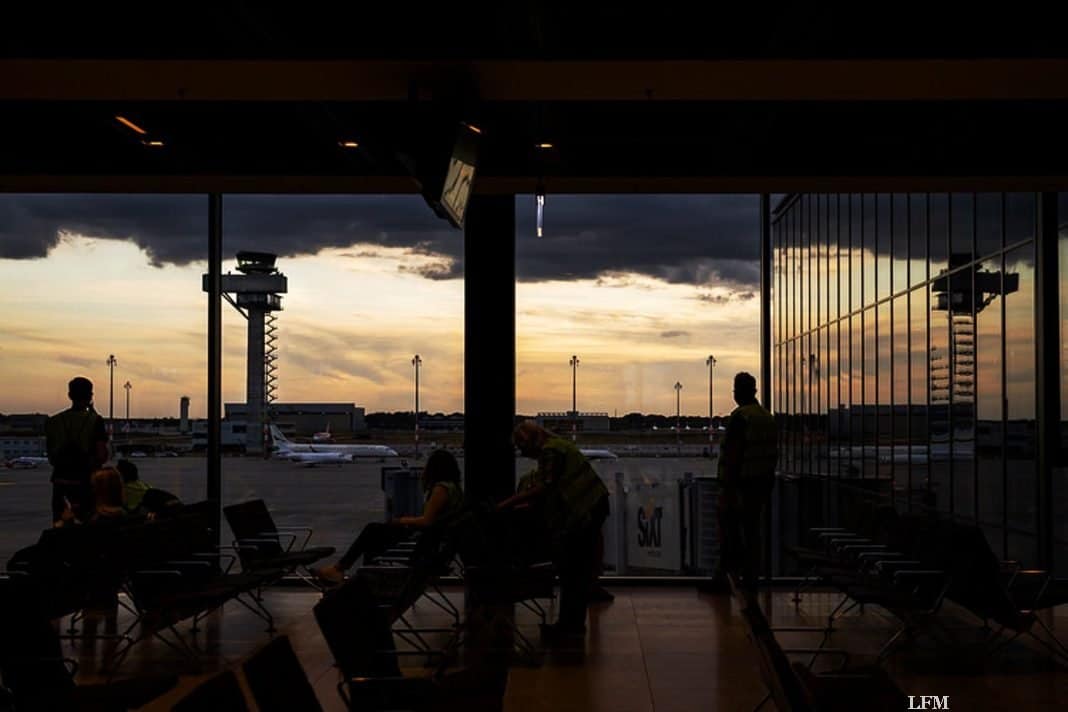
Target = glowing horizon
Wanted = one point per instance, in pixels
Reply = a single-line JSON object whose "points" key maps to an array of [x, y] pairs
{"points": [[352, 321]]}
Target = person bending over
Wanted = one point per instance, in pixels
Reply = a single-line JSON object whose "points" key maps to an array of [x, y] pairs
{"points": [[441, 484]]}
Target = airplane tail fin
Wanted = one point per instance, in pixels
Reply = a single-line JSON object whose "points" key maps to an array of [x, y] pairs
{"points": [[277, 436]]}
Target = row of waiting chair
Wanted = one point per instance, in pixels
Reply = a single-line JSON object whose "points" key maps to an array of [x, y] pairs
{"points": [[910, 564], [170, 569]]}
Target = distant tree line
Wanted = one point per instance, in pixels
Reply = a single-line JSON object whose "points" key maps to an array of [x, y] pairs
{"points": [[405, 420]]}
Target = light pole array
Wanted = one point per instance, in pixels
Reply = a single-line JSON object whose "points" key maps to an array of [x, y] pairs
{"points": [[127, 386], [111, 362], [574, 408], [678, 416], [416, 361], [711, 362]]}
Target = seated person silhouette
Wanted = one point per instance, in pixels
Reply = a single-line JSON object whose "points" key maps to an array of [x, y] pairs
{"points": [[444, 496], [108, 500]]}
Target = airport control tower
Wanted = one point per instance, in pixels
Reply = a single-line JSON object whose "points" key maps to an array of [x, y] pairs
{"points": [[258, 291]]}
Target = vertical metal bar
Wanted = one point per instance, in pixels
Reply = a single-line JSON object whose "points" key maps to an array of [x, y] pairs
{"points": [[908, 347], [1004, 397], [765, 301], [765, 341], [214, 494], [1047, 369], [927, 313], [974, 425]]}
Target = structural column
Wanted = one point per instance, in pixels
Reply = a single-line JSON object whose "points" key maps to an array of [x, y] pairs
{"points": [[1047, 370], [489, 347], [214, 459], [254, 383]]}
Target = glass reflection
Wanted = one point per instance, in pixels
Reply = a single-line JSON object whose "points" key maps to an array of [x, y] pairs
{"points": [[987, 223], [899, 418], [962, 223], [899, 224], [989, 426], [919, 422], [834, 383], [938, 391], [869, 398], [856, 246], [917, 210], [1020, 404], [883, 247], [938, 232], [962, 393], [883, 411], [868, 235], [856, 405]]}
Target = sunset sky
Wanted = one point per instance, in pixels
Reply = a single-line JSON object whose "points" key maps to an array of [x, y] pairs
{"points": [[642, 288]]}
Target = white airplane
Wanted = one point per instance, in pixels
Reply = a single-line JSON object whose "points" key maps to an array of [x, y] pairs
{"points": [[26, 463], [324, 436], [283, 444], [311, 459], [594, 454]]}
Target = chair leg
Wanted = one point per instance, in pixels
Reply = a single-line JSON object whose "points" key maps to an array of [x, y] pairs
{"points": [[259, 610], [806, 580], [890, 645], [1053, 643]]}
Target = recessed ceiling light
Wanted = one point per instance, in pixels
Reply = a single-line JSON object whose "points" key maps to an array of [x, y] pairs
{"points": [[543, 145], [348, 144], [154, 143], [471, 127], [130, 125]]}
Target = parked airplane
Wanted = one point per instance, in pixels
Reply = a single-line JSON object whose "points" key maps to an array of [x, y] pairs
{"points": [[282, 444], [311, 459], [324, 436], [26, 463], [594, 454]]}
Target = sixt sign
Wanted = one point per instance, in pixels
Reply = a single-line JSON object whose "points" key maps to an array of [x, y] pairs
{"points": [[654, 539], [650, 530]]}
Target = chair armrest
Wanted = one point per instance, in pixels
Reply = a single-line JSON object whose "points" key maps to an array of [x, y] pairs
{"points": [[308, 530], [252, 541], [277, 536], [885, 566], [831, 533], [879, 555], [231, 559], [850, 540]]}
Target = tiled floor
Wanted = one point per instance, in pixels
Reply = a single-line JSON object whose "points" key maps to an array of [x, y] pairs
{"points": [[660, 649]]}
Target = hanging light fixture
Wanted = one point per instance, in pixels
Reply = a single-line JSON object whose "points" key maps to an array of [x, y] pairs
{"points": [[539, 200]]}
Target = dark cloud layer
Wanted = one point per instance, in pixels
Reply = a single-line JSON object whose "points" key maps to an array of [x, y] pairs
{"points": [[700, 240]]}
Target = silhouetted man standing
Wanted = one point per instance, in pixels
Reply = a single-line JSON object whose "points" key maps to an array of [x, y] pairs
{"points": [[747, 475], [77, 444]]}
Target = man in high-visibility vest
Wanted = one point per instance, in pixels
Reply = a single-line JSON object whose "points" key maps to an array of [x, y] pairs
{"points": [[575, 502], [77, 444], [746, 475]]}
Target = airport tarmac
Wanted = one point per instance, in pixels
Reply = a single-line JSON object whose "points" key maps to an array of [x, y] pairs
{"points": [[335, 500]]}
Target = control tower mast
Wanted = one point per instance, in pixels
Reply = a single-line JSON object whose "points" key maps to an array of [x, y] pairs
{"points": [[258, 291]]}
